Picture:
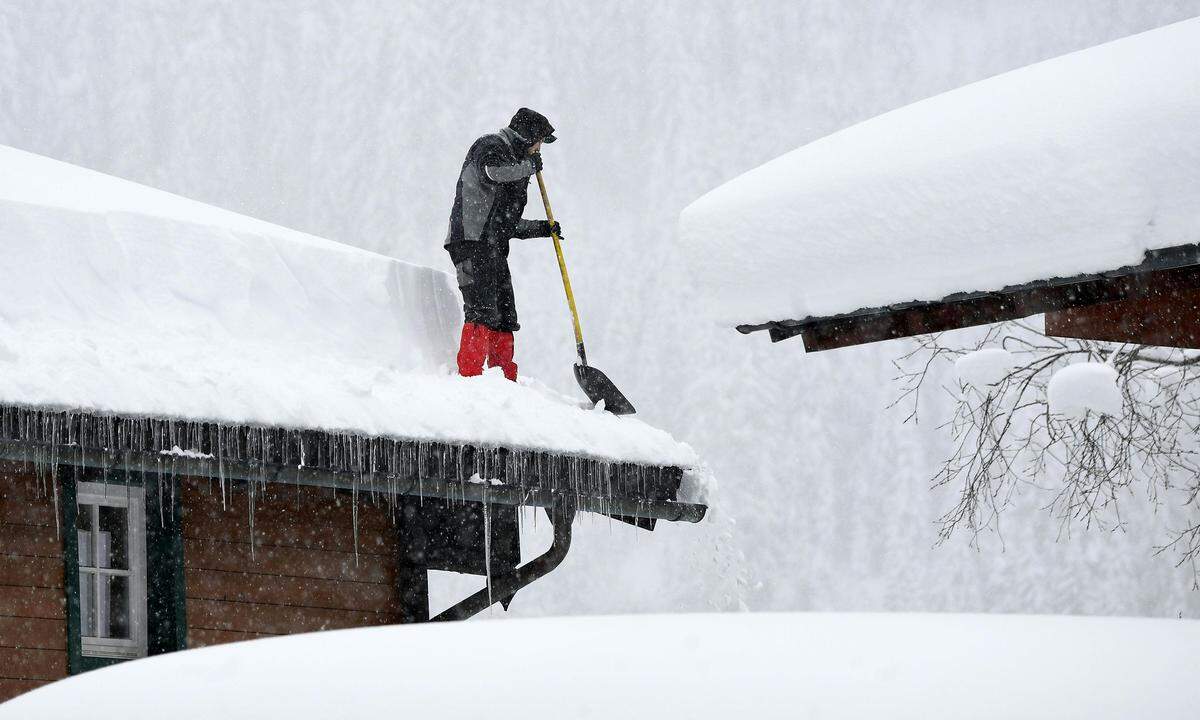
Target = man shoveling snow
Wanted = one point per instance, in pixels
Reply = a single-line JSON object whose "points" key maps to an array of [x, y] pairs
{"points": [[488, 202]]}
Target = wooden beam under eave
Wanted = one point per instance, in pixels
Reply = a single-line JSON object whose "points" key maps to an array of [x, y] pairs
{"points": [[1009, 304], [1168, 318]]}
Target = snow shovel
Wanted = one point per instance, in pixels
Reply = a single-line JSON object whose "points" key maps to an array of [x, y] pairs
{"points": [[594, 383]]}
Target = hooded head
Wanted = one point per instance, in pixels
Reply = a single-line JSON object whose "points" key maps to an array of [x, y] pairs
{"points": [[532, 126]]}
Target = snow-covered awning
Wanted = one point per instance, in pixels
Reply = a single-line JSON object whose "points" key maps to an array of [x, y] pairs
{"points": [[120, 303], [1047, 176]]}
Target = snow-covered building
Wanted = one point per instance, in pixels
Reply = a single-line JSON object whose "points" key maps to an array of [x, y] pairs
{"points": [[213, 428], [1069, 187]]}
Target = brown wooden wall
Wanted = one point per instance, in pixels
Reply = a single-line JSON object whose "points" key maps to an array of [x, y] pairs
{"points": [[33, 603], [304, 575], [1170, 318]]}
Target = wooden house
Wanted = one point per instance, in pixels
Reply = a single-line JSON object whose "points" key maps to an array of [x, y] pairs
{"points": [[215, 429]]}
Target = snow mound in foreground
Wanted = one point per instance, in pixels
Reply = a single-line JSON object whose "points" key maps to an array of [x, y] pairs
{"points": [[1074, 165], [682, 666], [117, 298]]}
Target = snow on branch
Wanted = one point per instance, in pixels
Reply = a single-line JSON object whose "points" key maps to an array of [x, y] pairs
{"points": [[1089, 424]]}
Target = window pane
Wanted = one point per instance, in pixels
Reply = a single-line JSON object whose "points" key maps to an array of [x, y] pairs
{"points": [[87, 604], [83, 524], [112, 543], [113, 607], [86, 555]]}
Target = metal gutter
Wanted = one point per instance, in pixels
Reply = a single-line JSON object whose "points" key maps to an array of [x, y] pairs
{"points": [[144, 462]]}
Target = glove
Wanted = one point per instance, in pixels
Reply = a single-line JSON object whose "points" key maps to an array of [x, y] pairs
{"points": [[553, 228], [536, 160]]}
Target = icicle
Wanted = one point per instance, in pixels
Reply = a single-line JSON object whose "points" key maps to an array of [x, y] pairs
{"points": [[487, 543], [250, 501], [420, 478], [221, 468], [299, 468], [57, 528], [262, 461], [354, 518]]}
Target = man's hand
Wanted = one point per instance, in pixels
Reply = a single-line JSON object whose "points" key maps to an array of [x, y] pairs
{"points": [[536, 159], [528, 228]]}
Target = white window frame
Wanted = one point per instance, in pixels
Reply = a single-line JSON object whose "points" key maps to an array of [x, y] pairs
{"points": [[131, 498]]}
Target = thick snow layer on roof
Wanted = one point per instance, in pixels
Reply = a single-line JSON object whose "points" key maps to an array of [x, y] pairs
{"points": [[685, 666], [1074, 165], [119, 298]]}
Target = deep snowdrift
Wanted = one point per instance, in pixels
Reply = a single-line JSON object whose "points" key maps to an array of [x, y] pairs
{"points": [[1074, 165], [118, 298], [683, 666]]}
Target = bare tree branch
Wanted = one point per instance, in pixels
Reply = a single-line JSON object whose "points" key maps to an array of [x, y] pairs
{"points": [[1005, 438]]}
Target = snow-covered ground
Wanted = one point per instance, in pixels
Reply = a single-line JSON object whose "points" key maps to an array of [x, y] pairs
{"points": [[1073, 165], [118, 298], [832, 666]]}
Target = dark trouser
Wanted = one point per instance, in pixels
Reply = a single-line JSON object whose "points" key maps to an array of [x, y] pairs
{"points": [[486, 285]]}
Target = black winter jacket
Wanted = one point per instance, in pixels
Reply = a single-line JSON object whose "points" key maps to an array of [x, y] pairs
{"points": [[492, 190]]}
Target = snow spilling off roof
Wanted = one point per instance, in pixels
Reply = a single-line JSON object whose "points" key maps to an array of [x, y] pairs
{"points": [[1074, 165], [771, 665], [122, 299]]}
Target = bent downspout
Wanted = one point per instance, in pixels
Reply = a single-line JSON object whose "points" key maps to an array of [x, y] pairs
{"points": [[503, 587]]}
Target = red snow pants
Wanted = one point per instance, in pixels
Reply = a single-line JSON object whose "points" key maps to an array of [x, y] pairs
{"points": [[480, 343]]}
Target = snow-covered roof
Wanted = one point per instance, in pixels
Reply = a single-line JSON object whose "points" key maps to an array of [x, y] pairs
{"points": [[1073, 165], [116, 298], [697, 666]]}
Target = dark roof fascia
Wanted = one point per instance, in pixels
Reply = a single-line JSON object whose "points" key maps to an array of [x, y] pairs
{"points": [[1168, 269], [384, 466]]}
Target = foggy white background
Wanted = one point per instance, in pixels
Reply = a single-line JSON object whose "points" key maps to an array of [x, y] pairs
{"points": [[349, 120]]}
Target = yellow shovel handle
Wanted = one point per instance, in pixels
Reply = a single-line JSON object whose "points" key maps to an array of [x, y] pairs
{"points": [[562, 266]]}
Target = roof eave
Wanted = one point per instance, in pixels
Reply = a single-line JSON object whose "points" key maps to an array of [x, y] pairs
{"points": [[1166, 270], [140, 462]]}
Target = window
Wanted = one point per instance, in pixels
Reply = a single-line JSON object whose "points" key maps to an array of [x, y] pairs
{"points": [[111, 530]]}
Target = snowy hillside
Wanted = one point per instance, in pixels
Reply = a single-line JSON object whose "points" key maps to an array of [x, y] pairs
{"points": [[924, 667], [122, 299], [1074, 165]]}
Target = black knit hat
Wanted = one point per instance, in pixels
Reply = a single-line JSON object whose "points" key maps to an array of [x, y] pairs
{"points": [[532, 126]]}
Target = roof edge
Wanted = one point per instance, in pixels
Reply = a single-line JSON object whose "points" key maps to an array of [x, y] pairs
{"points": [[1172, 268], [384, 466]]}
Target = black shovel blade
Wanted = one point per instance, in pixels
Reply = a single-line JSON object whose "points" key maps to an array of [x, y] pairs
{"points": [[597, 387]]}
